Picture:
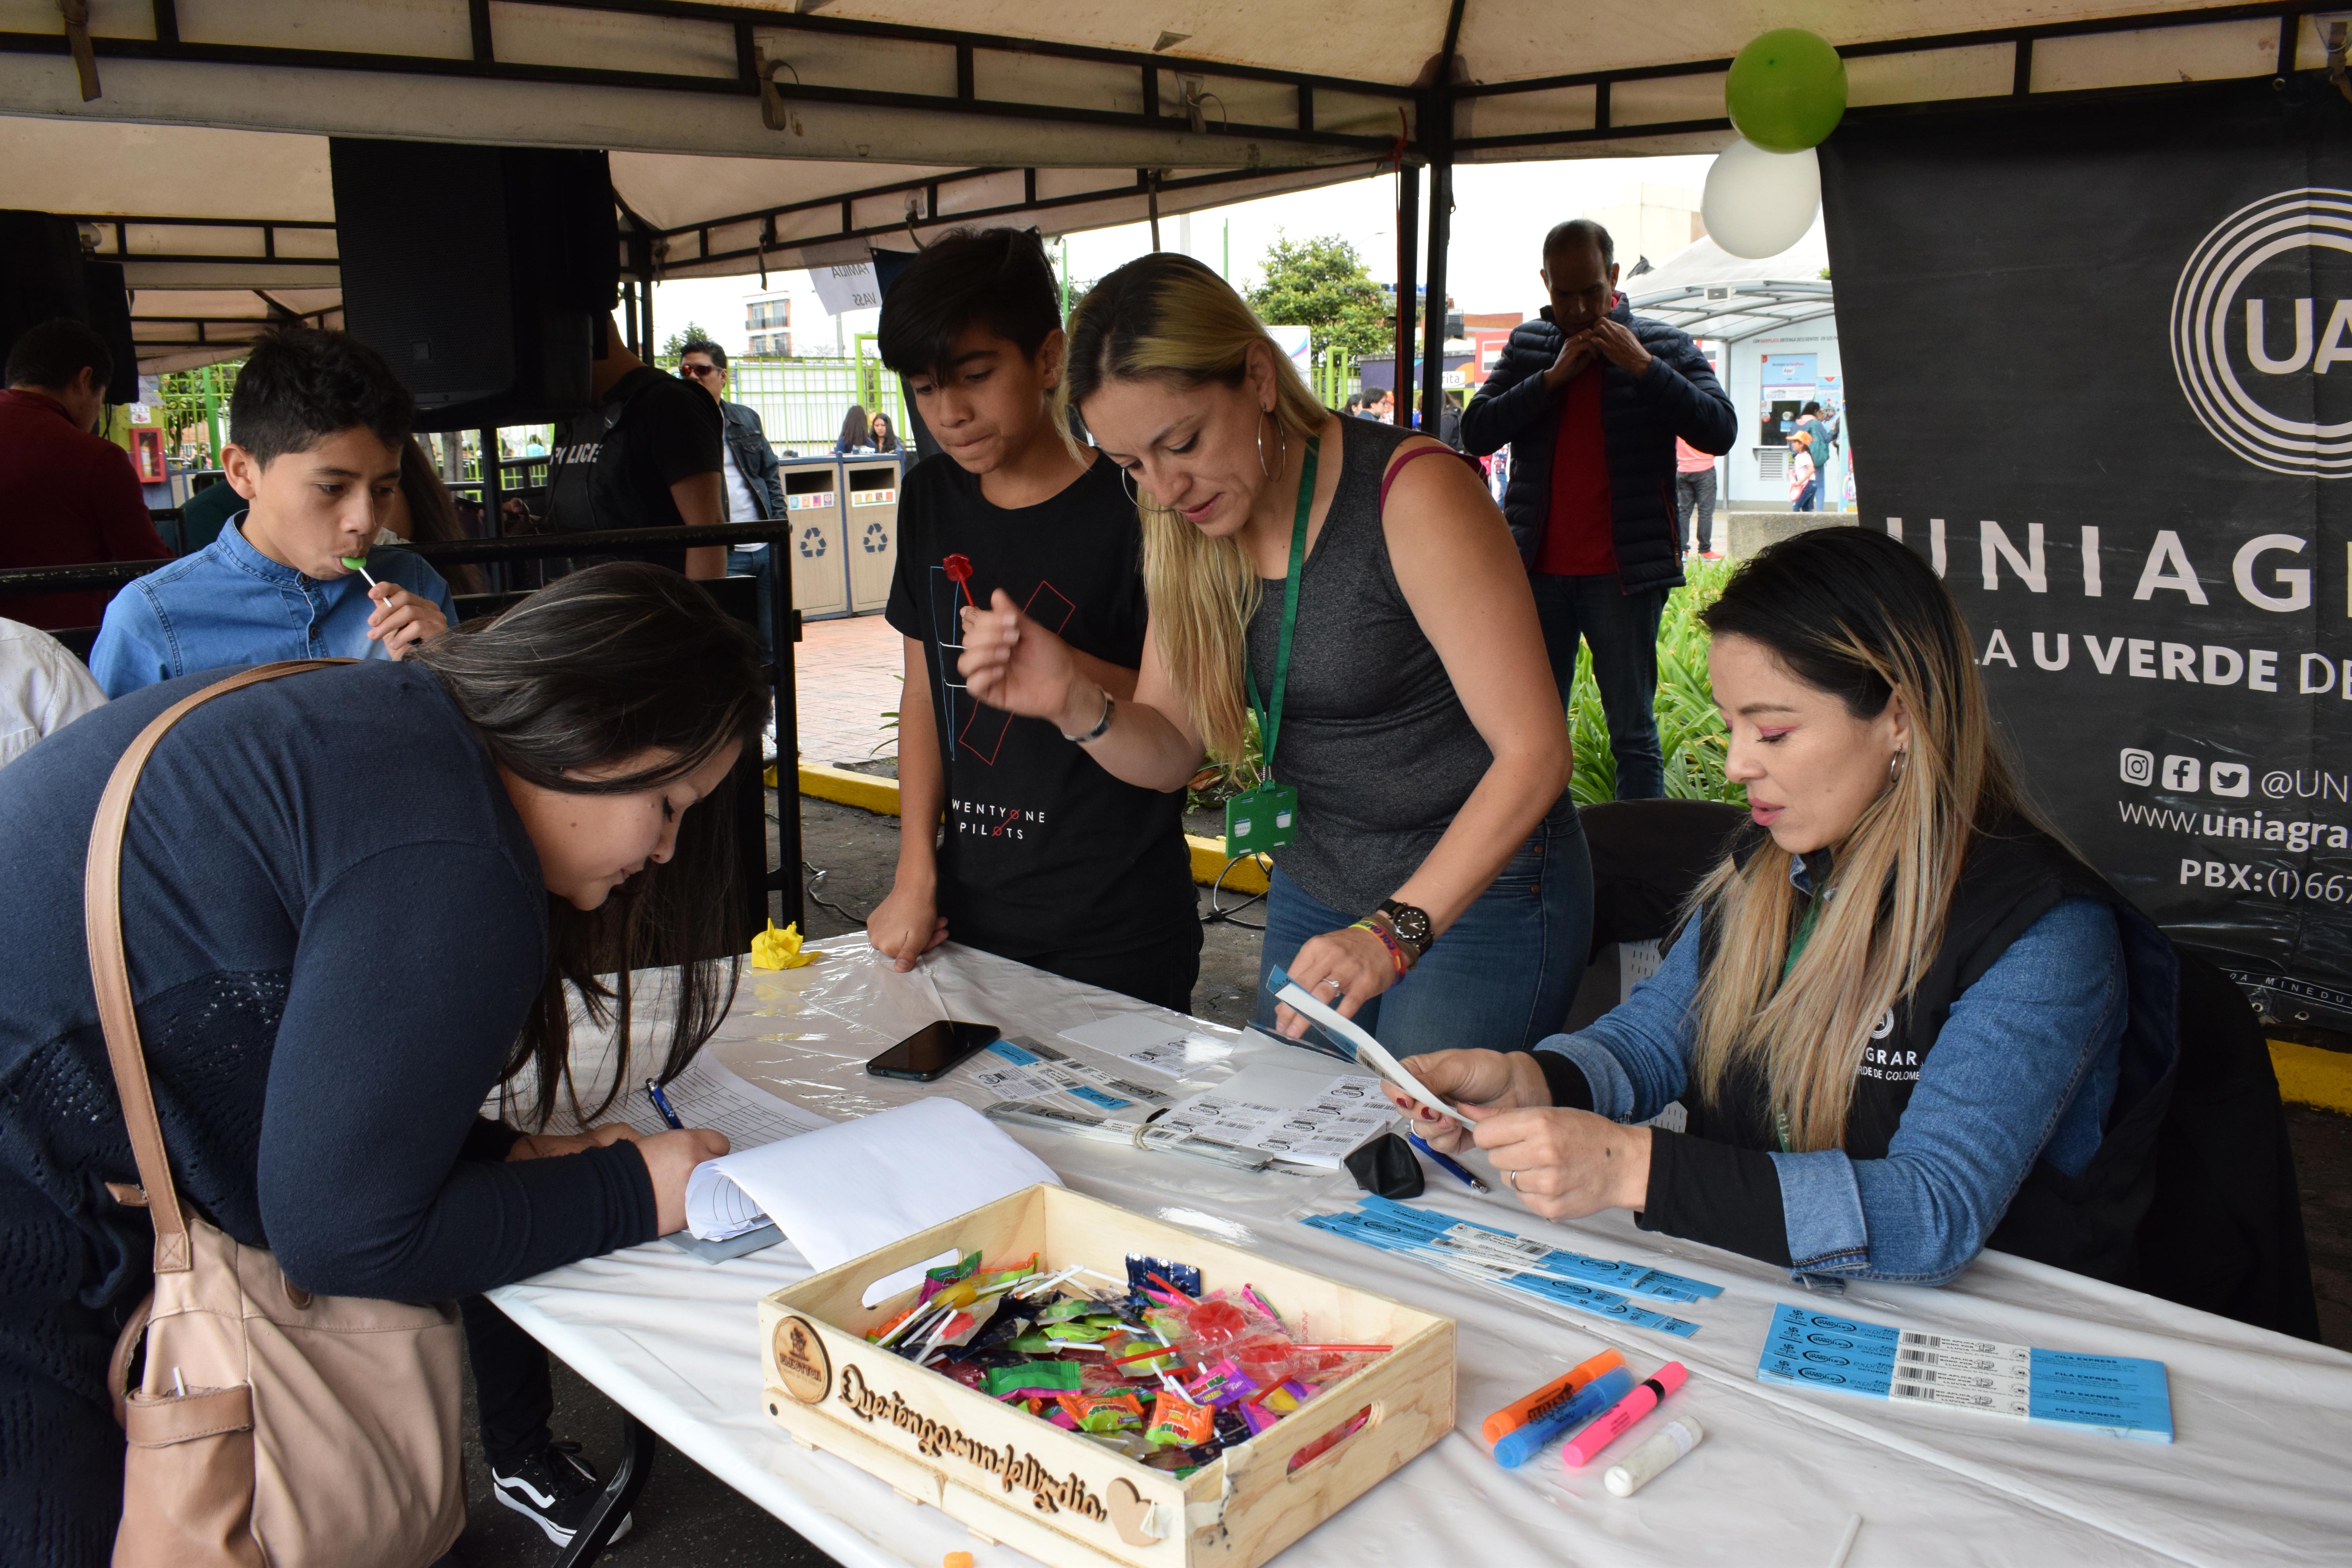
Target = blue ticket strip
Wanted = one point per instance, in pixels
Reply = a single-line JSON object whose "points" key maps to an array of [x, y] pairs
{"points": [[1501, 1258], [2124, 1395], [1609, 1273]]}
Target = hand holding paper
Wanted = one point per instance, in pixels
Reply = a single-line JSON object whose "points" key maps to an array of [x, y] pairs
{"points": [[1475, 1085], [1344, 1036]]}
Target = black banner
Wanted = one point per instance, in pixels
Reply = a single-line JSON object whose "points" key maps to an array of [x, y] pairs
{"points": [[2100, 358]]}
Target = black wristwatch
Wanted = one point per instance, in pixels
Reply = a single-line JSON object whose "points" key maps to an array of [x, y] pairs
{"points": [[1411, 926]]}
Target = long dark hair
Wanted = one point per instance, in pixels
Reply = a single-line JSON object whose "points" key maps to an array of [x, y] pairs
{"points": [[616, 661], [854, 429], [433, 514], [888, 441]]}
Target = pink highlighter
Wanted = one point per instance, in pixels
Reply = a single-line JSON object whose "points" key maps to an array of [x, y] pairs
{"points": [[1646, 1397]]}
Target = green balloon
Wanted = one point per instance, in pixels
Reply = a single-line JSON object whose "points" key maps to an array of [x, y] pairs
{"points": [[1786, 91]]}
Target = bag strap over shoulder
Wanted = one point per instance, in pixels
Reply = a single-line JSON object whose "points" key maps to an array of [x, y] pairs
{"points": [[110, 972], [1397, 465]]}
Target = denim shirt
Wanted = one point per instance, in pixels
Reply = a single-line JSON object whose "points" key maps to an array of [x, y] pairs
{"points": [[2024, 1069], [228, 603]]}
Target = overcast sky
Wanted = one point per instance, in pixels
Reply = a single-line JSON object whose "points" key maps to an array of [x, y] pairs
{"points": [[1500, 214]]}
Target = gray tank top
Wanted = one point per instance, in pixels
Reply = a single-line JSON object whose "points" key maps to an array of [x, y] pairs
{"points": [[1373, 738]]}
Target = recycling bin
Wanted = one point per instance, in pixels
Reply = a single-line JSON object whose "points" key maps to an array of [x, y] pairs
{"points": [[819, 547], [871, 487]]}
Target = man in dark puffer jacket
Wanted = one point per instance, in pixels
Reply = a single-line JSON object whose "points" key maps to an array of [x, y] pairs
{"points": [[1590, 398]]}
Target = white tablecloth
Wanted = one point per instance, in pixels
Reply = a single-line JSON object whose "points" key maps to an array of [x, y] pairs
{"points": [[2259, 1472]]}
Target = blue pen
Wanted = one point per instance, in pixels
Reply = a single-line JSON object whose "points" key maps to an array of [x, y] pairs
{"points": [[1517, 1448], [1453, 1168], [661, 1103]]}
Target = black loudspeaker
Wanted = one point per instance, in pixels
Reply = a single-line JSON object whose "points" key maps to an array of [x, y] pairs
{"points": [[481, 274], [43, 276]]}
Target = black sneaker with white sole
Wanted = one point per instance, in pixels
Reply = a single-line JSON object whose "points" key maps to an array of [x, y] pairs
{"points": [[556, 1489]]}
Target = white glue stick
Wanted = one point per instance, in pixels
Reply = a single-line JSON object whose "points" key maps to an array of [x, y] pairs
{"points": [[1643, 1465]]}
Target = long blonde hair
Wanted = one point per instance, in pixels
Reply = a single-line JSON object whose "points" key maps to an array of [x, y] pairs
{"points": [[1855, 614], [1168, 316]]}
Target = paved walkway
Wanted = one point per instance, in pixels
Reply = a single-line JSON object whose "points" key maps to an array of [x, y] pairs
{"points": [[844, 678]]}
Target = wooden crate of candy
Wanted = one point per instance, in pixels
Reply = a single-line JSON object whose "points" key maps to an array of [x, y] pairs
{"points": [[1090, 1385]]}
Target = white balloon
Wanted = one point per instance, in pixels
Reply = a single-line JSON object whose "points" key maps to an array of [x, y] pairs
{"points": [[1759, 204]]}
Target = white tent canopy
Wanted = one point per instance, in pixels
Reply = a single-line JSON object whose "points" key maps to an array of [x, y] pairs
{"points": [[1710, 293], [782, 133]]}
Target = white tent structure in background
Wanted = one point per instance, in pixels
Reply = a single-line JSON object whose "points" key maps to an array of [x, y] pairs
{"points": [[1776, 313], [783, 133]]}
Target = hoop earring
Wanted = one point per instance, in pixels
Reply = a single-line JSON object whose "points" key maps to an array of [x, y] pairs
{"points": [[1894, 765], [1127, 482], [1264, 416]]}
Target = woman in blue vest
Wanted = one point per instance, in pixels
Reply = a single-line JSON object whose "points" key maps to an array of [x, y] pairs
{"points": [[1907, 1022]]}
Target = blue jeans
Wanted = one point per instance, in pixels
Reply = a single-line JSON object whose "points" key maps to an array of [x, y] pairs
{"points": [[1501, 977], [1622, 629], [754, 564], [1810, 497]]}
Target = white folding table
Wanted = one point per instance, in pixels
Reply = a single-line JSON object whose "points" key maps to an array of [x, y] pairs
{"points": [[2258, 1473]]}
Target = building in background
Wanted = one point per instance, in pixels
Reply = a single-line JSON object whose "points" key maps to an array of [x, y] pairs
{"points": [[1770, 327], [1652, 223], [768, 317]]}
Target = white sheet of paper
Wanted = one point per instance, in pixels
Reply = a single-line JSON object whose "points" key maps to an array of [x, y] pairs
{"points": [[708, 1095], [1306, 1118], [842, 1191], [1154, 1043], [1369, 1052]]}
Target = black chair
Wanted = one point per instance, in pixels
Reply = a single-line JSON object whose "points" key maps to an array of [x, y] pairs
{"points": [[1647, 856], [2224, 1230]]}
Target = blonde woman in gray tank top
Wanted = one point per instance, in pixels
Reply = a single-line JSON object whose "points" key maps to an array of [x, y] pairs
{"points": [[1438, 886]]}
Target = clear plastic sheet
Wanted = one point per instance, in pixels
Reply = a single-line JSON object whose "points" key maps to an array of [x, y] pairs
{"points": [[2257, 1474], [807, 1034]]}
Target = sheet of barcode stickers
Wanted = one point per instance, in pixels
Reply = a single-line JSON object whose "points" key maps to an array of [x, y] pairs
{"points": [[2124, 1395]]}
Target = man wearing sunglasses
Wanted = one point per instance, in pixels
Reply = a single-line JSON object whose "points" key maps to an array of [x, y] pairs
{"points": [[754, 489]]}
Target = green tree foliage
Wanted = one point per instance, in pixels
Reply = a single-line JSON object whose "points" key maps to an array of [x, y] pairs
{"points": [[675, 345], [1321, 283]]}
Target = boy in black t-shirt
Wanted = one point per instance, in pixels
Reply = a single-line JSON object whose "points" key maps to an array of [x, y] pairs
{"points": [[1044, 857]]}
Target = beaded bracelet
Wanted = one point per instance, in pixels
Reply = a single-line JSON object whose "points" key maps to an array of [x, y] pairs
{"points": [[1388, 940]]}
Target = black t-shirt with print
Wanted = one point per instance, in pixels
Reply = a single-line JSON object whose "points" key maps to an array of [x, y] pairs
{"points": [[1044, 853], [613, 466]]}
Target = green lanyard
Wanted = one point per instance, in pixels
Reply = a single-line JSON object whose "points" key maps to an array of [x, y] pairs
{"points": [[1269, 724]]}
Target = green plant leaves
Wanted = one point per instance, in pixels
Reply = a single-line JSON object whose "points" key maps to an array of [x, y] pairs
{"points": [[1691, 736]]}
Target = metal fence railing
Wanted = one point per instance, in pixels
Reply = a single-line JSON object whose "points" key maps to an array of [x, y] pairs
{"points": [[801, 402], [765, 878]]}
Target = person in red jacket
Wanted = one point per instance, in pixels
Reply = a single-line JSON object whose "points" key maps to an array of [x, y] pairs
{"points": [[67, 497]]}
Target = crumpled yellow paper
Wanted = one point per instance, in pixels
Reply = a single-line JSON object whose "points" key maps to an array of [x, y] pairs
{"points": [[774, 948]]}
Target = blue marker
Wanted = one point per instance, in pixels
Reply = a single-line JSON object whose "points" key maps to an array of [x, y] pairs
{"points": [[1453, 1168], [661, 1103], [1515, 1448]]}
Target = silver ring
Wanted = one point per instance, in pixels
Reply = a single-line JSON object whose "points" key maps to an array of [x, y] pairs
{"points": [[1326, 980], [1512, 1177]]}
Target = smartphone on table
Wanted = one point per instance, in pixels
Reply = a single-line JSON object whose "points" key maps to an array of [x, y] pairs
{"points": [[934, 1051]]}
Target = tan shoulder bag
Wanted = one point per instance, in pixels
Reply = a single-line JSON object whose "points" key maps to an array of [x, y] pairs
{"points": [[271, 1429]]}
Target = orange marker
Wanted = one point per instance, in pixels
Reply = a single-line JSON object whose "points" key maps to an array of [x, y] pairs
{"points": [[1549, 1397]]}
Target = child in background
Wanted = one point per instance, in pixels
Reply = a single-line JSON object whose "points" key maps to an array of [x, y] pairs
{"points": [[1801, 472], [1045, 857], [322, 424]]}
